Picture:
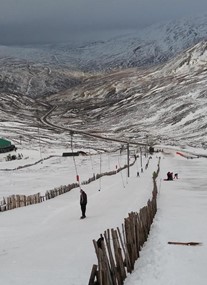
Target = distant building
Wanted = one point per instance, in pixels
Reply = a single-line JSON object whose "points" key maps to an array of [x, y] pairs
{"points": [[6, 146], [75, 153]]}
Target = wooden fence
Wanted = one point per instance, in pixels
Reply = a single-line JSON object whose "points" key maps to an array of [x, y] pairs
{"points": [[117, 250], [16, 201]]}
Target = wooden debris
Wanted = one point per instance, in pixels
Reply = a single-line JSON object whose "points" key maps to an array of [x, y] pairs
{"points": [[192, 243]]}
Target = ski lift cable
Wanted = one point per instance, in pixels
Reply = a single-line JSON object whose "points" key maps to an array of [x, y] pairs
{"points": [[92, 164], [74, 161], [126, 172], [94, 175], [100, 174], [109, 165], [137, 166], [121, 171]]}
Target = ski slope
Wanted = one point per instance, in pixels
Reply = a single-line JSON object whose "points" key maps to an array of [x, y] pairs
{"points": [[47, 243]]}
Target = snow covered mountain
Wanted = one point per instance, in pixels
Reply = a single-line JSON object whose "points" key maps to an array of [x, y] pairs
{"points": [[154, 44], [149, 87], [48, 69], [166, 104]]}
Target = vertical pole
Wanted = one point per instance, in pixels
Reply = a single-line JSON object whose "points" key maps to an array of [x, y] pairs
{"points": [[141, 159], [38, 130], [71, 141], [100, 174], [40, 143], [147, 144], [128, 158]]}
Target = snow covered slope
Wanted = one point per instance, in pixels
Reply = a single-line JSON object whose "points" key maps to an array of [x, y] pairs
{"points": [[164, 103], [151, 45], [46, 69]]}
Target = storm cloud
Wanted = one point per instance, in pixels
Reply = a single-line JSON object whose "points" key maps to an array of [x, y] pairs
{"points": [[46, 21]]}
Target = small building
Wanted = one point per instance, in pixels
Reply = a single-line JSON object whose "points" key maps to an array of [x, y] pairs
{"points": [[75, 153], [6, 146]]}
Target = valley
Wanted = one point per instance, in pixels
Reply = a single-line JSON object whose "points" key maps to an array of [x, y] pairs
{"points": [[153, 95]]}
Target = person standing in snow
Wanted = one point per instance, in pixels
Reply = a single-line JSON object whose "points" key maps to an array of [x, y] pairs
{"points": [[170, 175], [83, 203]]}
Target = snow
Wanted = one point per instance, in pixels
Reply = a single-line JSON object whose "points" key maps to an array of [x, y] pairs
{"points": [[47, 243], [180, 218], [153, 44]]}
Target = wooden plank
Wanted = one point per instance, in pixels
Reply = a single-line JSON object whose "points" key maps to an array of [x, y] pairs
{"points": [[129, 241], [111, 258], [118, 257], [104, 265], [124, 248], [18, 202], [125, 243], [132, 242], [13, 198], [143, 223], [136, 225], [93, 275], [136, 252], [107, 269], [100, 277], [191, 243]]}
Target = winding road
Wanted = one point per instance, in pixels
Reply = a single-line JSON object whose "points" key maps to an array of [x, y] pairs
{"points": [[44, 120]]}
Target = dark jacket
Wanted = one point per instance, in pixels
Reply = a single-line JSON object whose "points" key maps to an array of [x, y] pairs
{"points": [[83, 198]]}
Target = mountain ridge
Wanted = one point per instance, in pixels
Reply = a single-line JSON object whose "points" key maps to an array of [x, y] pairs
{"points": [[161, 103]]}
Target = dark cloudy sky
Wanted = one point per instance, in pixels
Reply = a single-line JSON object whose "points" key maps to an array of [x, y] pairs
{"points": [[37, 21]]}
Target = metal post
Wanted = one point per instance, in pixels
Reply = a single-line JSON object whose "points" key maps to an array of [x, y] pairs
{"points": [[71, 142], [147, 145], [128, 158], [141, 159], [40, 144]]}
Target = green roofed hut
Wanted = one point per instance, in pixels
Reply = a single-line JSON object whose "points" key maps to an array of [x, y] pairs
{"points": [[6, 146]]}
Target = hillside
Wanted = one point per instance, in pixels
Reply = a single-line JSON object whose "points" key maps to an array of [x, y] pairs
{"points": [[47, 243], [47, 69], [163, 102], [143, 88]]}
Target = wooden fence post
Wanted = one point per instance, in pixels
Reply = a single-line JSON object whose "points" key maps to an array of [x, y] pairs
{"points": [[129, 264], [135, 232], [118, 256], [93, 275], [111, 258], [125, 250]]}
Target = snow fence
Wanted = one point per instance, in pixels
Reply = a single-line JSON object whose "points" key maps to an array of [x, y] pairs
{"points": [[17, 201], [117, 250]]}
